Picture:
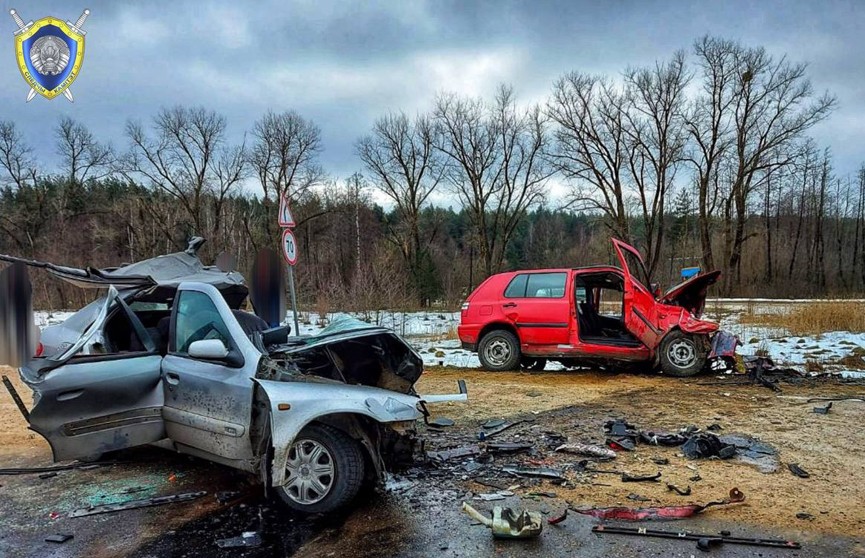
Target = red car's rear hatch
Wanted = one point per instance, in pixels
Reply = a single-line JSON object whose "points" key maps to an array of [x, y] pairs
{"points": [[691, 295]]}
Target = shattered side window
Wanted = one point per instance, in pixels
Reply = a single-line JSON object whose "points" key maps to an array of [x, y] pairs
{"points": [[197, 319]]}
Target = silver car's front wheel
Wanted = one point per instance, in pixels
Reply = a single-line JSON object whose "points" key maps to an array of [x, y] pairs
{"points": [[323, 471], [310, 472]]}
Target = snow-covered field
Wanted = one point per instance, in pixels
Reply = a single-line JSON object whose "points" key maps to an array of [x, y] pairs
{"points": [[433, 334]]}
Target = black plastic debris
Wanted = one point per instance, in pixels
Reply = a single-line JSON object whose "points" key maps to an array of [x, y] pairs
{"points": [[823, 410], [638, 498], [641, 478], [493, 423], [704, 445], [805, 516], [681, 492], [660, 461], [440, 422], [248, 539], [508, 447], [798, 471], [662, 438], [498, 430], [714, 427], [59, 538]]}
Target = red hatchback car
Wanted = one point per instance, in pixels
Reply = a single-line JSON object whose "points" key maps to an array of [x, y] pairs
{"points": [[601, 315]]}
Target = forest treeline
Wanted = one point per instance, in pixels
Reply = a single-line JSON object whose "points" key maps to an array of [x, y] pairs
{"points": [[703, 159]]}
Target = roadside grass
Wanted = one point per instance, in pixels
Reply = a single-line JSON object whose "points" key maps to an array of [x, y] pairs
{"points": [[811, 318]]}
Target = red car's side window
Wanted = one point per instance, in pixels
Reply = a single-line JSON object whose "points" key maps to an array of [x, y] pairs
{"points": [[517, 286]]}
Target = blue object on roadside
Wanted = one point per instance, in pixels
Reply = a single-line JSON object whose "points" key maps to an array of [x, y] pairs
{"points": [[688, 272]]}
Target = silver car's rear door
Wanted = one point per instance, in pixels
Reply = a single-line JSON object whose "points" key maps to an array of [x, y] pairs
{"points": [[89, 404]]}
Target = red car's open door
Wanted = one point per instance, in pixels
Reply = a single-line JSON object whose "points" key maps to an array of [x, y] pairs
{"points": [[639, 302]]}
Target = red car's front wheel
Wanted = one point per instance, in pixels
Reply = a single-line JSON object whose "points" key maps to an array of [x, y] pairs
{"points": [[682, 354]]}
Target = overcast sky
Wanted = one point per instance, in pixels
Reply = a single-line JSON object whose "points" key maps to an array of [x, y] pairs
{"points": [[343, 64]]}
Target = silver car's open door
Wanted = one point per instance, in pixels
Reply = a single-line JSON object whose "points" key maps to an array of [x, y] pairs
{"points": [[90, 404]]}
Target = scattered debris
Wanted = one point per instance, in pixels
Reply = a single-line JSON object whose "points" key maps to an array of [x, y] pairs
{"points": [[679, 491], [666, 512], [798, 471], [641, 478], [508, 447], [542, 472], [440, 422], [134, 504], [53, 469], [703, 445], [225, 496], [663, 438], [588, 450], [621, 435], [638, 498], [716, 539], [714, 427], [753, 452], [248, 539], [491, 497], [805, 516], [544, 494], [823, 410], [48, 475], [59, 538], [493, 423], [508, 525], [558, 519], [660, 461], [456, 453], [494, 431]]}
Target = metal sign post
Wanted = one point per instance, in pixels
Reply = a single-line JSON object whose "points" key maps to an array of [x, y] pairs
{"points": [[289, 252]]}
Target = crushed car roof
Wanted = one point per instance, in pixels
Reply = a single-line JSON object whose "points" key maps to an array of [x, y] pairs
{"points": [[168, 270]]}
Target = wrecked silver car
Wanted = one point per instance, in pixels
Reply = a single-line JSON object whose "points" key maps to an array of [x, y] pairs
{"points": [[167, 357]]}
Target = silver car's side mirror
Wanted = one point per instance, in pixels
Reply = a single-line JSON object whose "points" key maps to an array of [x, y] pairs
{"points": [[211, 349]]}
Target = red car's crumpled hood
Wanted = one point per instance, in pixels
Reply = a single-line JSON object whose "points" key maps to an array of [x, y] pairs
{"points": [[691, 295]]}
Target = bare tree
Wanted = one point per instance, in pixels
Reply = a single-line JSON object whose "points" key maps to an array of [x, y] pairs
{"points": [[590, 146], [656, 141], [81, 155], [16, 156], [496, 165], [187, 158], [754, 108], [405, 166], [285, 156]]}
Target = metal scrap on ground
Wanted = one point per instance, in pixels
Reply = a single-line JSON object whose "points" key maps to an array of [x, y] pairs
{"points": [[506, 524], [656, 513], [134, 504]]}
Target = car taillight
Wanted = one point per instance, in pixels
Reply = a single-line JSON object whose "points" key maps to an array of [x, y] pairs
{"points": [[465, 306], [39, 350]]}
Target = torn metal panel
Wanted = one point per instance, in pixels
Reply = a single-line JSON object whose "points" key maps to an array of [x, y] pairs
{"points": [[135, 504], [507, 524], [660, 513]]}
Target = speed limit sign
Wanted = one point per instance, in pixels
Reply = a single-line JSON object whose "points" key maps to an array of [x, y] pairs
{"points": [[289, 247]]}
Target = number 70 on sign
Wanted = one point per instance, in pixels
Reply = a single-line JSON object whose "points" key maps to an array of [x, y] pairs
{"points": [[289, 247]]}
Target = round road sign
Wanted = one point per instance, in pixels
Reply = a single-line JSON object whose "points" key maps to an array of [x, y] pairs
{"points": [[289, 247]]}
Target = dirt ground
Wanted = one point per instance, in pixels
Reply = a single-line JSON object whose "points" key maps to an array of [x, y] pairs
{"points": [[831, 447]]}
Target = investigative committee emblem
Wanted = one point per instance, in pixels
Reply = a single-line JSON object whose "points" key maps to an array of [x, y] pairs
{"points": [[49, 53]]}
